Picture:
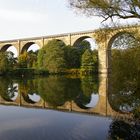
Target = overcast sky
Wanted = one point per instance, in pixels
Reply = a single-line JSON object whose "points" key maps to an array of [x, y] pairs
{"points": [[29, 18]]}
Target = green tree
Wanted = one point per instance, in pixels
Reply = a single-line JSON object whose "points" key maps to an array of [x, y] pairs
{"points": [[83, 46], [87, 62], [23, 60], [4, 63], [72, 57], [95, 60], [40, 58], [106, 9], [87, 59], [28, 59], [54, 56], [32, 59], [7, 62]]}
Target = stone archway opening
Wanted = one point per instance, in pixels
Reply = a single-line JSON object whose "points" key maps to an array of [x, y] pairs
{"points": [[121, 46], [28, 56], [30, 46], [88, 50], [86, 41], [120, 43], [124, 60], [10, 48], [33, 47]]}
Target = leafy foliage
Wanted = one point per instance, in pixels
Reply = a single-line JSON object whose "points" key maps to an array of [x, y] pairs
{"points": [[83, 46], [23, 60], [7, 61], [27, 59], [72, 57], [87, 59], [108, 8], [53, 56]]}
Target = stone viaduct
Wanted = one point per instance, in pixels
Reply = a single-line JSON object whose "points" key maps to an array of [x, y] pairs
{"points": [[103, 38]]}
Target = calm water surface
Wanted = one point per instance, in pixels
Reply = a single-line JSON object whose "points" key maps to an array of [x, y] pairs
{"points": [[69, 108]]}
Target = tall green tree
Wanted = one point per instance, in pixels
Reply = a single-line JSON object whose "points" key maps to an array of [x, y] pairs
{"points": [[40, 58], [28, 59], [7, 62], [95, 60], [72, 57], [23, 60], [4, 63], [83, 46], [32, 59], [106, 9], [87, 59], [54, 56]]}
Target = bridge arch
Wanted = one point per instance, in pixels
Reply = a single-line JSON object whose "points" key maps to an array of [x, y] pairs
{"points": [[79, 40], [115, 36], [125, 91], [10, 47], [89, 39], [120, 40], [28, 45]]}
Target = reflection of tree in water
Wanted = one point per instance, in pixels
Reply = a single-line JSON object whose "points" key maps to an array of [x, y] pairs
{"points": [[89, 86], [7, 89], [125, 78], [120, 129], [56, 90]]}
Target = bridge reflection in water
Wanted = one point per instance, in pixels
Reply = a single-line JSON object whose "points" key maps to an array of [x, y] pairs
{"points": [[68, 95]]}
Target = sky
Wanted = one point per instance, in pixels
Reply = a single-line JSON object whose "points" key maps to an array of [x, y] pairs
{"points": [[33, 18]]}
